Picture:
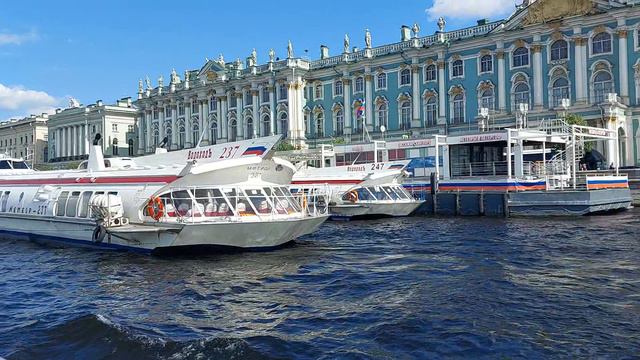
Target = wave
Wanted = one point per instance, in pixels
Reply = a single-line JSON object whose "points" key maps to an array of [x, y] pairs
{"points": [[97, 337]]}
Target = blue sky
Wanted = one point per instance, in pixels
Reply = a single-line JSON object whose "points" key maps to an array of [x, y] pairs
{"points": [[50, 50]]}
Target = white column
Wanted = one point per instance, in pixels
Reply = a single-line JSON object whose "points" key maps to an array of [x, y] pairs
{"points": [[415, 101], [623, 66], [368, 79], [58, 142], [222, 120], [148, 114], [174, 126], [240, 113], [141, 132], [189, 141], [78, 140], [538, 99], [581, 68], [204, 123], [347, 106], [272, 107], [163, 131], [442, 93], [255, 111], [64, 142], [502, 82]]}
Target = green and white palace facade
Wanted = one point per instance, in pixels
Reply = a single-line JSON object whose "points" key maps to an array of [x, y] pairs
{"points": [[557, 57]]}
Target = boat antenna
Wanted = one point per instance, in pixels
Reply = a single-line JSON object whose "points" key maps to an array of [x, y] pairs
{"points": [[96, 140]]}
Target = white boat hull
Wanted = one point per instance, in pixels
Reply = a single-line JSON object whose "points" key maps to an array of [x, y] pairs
{"points": [[374, 209], [144, 238]]}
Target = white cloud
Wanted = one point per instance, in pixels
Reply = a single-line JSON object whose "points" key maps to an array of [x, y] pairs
{"points": [[17, 39], [16, 101], [470, 9]]}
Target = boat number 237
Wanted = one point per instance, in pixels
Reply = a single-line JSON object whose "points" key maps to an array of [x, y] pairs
{"points": [[229, 152]]}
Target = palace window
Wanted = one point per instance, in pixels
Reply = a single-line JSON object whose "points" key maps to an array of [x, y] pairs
{"points": [[195, 132], [319, 125], [338, 88], [405, 77], [457, 68], [114, 127], [194, 107], [405, 115], [381, 82], [559, 91], [521, 94], [602, 85], [487, 99], [282, 90], [559, 50], [248, 98], [213, 104], [249, 134], [521, 57], [431, 111], [233, 130], [167, 112], [213, 128], [359, 85], [382, 112], [339, 123], [131, 147], [283, 124], [486, 64], [129, 129], [115, 146], [181, 135], [265, 94], [181, 110], [234, 102], [430, 73], [266, 125], [601, 43], [318, 91], [458, 109]]}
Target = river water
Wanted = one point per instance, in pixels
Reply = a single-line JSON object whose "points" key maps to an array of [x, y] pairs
{"points": [[411, 288]]}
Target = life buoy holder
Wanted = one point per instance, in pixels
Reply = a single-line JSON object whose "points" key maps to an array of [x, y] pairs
{"points": [[352, 196], [155, 208], [99, 233]]}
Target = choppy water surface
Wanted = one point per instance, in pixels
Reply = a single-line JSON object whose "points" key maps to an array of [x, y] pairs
{"points": [[397, 288]]}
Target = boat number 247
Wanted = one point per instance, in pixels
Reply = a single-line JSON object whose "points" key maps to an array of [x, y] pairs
{"points": [[377, 166], [229, 152]]}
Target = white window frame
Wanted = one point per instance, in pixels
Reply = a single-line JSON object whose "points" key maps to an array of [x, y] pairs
{"points": [[355, 85], [400, 84], [435, 73], [451, 67], [337, 93], [318, 95], [592, 36], [386, 80], [480, 71], [513, 58]]}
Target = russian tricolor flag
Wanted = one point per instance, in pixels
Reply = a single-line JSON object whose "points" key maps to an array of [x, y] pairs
{"points": [[255, 150]]}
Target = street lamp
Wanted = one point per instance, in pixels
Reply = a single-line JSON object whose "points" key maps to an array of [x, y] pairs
{"points": [[382, 130], [523, 109], [565, 104]]}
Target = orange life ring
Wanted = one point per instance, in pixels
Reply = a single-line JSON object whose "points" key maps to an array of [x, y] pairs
{"points": [[155, 208], [352, 196]]}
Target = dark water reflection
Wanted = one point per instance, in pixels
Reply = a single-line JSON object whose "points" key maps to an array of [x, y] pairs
{"points": [[398, 288]]}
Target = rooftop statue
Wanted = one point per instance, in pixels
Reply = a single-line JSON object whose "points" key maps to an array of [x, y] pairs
{"points": [[290, 50], [441, 24], [272, 55], [367, 38], [346, 43]]}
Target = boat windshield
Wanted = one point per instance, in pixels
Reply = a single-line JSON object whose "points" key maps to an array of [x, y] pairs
{"points": [[21, 165], [227, 202]]}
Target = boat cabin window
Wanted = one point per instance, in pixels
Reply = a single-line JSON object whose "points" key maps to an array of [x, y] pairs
{"points": [[61, 204], [20, 165], [83, 209], [72, 204], [3, 201], [4, 165]]}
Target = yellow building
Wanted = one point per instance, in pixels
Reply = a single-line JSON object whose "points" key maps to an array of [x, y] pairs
{"points": [[25, 138]]}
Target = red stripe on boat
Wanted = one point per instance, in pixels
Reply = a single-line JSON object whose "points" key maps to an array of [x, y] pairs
{"points": [[311, 182]]}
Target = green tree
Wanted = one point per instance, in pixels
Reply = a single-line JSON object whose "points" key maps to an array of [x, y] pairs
{"points": [[575, 119], [284, 146]]}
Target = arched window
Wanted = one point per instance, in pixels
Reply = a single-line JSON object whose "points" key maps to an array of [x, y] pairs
{"points": [[458, 109], [318, 91], [457, 68], [213, 104], [249, 134], [213, 128], [181, 135], [486, 64], [405, 77], [405, 115], [339, 123], [266, 125], [168, 131], [430, 73], [431, 111], [155, 135], [233, 130], [282, 92], [338, 88], [195, 132], [559, 50], [601, 43], [487, 99], [521, 57], [283, 125], [131, 147], [381, 115], [115, 146], [602, 85], [359, 87], [382, 81], [521, 94], [559, 91], [319, 125]]}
